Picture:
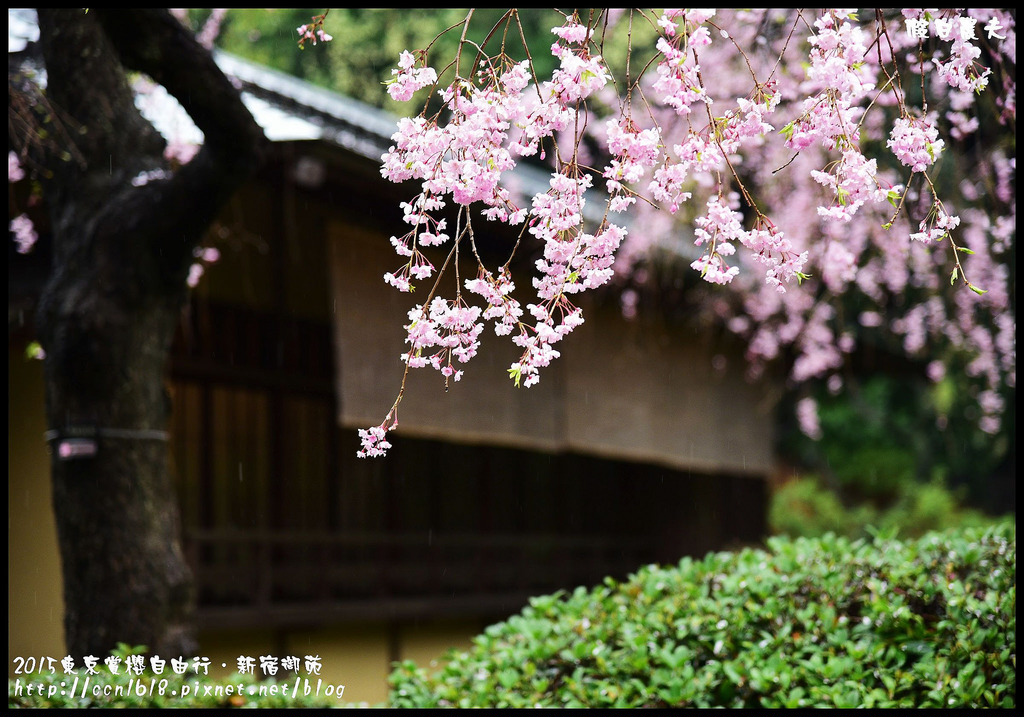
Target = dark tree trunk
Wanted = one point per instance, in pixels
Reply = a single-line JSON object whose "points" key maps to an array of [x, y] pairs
{"points": [[109, 310]]}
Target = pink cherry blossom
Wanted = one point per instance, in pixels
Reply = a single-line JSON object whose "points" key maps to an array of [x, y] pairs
{"points": [[25, 235], [407, 79], [573, 32], [14, 171], [807, 414], [915, 143], [374, 442]]}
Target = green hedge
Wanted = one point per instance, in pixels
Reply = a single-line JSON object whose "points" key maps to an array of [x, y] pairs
{"points": [[825, 622], [107, 690]]}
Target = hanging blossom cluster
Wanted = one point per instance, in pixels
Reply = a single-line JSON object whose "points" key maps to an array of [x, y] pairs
{"points": [[634, 151], [839, 79], [705, 153], [24, 232], [574, 260], [960, 70], [21, 226], [915, 143], [313, 32], [679, 84], [833, 217], [407, 79], [452, 328], [492, 122]]}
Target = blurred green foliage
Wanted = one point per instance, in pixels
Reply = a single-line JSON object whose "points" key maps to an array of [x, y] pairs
{"points": [[895, 450], [825, 622], [804, 507], [368, 41]]}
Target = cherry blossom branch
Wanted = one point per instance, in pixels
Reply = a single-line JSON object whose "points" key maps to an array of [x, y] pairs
{"points": [[848, 99]]}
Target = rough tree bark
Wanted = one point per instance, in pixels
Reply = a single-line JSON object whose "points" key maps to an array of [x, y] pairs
{"points": [[108, 313]]}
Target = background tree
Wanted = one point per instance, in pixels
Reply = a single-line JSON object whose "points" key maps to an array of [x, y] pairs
{"points": [[124, 227]]}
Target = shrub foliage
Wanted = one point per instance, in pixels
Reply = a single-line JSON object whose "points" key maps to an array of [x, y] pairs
{"points": [[825, 622]]}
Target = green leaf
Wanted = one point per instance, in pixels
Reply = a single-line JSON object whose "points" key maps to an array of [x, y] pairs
{"points": [[508, 677], [732, 673], [34, 351]]}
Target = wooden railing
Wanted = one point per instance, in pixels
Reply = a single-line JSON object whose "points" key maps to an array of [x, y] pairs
{"points": [[269, 574]]}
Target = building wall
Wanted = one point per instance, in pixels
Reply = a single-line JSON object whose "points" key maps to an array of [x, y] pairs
{"points": [[35, 608], [640, 390], [358, 656], [666, 406]]}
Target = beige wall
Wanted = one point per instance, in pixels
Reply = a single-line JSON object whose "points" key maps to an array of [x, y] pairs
{"points": [[358, 656], [636, 390], [354, 656], [643, 390], [35, 608]]}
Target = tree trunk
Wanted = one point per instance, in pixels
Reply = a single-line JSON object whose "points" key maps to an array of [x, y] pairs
{"points": [[109, 310], [125, 578]]}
